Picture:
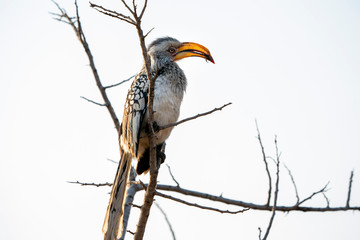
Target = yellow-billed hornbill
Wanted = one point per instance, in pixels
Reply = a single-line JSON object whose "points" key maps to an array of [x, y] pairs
{"points": [[170, 85]]}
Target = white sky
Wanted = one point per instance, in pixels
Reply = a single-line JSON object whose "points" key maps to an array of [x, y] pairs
{"points": [[292, 65]]}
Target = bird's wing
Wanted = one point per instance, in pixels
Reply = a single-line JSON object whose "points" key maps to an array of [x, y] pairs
{"points": [[135, 111]]}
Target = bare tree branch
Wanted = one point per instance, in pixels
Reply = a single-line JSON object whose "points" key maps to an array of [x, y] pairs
{"points": [[167, 220], [92, 184], [221, 199], [76, 25], [259, 233], [96, 103], [110, 160], [119, 83], [148, 32], [143, 10], [198, 205], [293, 181], [128, 8], [349, 189], [276, 191], [172, 176], [327, 200], [254, 206], [112, 13], [193, 117], [265, 162], [313, 194]]}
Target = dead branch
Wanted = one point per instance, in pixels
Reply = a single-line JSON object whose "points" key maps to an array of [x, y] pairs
{"points": [[313, 194], [276, 191], [172, 176], [265, 162], [167, 220], [327, 200], [112, 13], [75, 23], [198, 205], [92, 184], [159, 128], [349, 189], [194, 117], [253, 206], [96, 103], [229, 201], [119, 83], [293, 181], [259, 233], [148, 32], [110, 160]]}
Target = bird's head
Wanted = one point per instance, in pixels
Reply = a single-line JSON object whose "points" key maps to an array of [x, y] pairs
{"points": [[166, 50]]}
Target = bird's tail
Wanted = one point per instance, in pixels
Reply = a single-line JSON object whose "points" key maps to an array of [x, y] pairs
{"points": [[112, 227]]}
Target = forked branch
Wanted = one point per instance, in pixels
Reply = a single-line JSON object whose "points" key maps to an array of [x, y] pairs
{"points": [[75, 23]]}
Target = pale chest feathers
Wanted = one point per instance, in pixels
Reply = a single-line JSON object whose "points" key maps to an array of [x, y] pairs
{"points": [[167, 101], [166, 106]]}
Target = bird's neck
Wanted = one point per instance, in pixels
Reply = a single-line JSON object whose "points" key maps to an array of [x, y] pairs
{"points": [[170, 73]]}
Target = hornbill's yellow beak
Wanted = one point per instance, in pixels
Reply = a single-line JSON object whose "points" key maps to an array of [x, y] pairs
{"points": [[190, 49]]}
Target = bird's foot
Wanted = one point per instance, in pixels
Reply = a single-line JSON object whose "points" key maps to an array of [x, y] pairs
{"points": [[161, 157]]}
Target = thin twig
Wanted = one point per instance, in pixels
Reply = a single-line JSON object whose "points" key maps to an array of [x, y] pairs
{"points": [[172, 176], [198, 205], [110, 160], [259, 233], [127, 6], [136, 206], [327, 200], [76, 25], [143, 10], [92, 184], [167, 220], [293, 181], [89, 100], [265, 162], [112, 13], [119, 83], [349, 189], [148, 32], [313, 194], [193, 117], [276, 191]]}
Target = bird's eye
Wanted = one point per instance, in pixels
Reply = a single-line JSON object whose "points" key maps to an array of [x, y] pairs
{"points": [[172, 50]]}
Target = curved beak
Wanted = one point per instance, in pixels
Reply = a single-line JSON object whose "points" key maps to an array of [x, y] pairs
{"points": [[190, 49]]}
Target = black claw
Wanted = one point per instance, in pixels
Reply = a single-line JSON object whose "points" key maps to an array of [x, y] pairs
{"points": [[144, 164], [161, 157]]}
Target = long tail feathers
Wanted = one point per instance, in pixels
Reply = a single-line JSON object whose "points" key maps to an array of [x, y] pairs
{"points": [[112, 227]]}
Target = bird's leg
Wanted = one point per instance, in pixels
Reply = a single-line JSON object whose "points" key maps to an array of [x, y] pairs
{"points": [[144, 161], [160, 153]]}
